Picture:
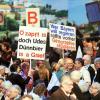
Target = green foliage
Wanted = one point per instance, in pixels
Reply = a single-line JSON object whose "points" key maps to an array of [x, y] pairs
{"points": [[9, 24], [62, 13], [17, 16], [32, 6], [89, 28]]}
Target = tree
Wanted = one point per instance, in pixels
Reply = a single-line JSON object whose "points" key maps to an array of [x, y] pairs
{"points": [[17, 16], [12, 24], [62, 13], [9, 24]]}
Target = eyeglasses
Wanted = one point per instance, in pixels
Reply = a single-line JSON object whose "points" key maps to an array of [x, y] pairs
{"points": [[68, 63]]}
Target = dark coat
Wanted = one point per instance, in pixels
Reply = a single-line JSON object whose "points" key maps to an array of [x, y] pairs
{"points": [[92, 73], [76, 90], [17, 79], [97, 79], [59, 95], [97, 97]]}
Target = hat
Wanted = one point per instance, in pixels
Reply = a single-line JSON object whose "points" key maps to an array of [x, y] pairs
{"points": [[97, 59]]}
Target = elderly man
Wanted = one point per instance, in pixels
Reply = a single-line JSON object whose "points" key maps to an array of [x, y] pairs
{"points": [[68, 64], [95, 91], [97, 66], [13, 93], [88, 66], [63, 93]]}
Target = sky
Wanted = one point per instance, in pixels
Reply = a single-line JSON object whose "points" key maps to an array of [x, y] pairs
{"points": [[77, 11], [76, 8], [57, 4]]}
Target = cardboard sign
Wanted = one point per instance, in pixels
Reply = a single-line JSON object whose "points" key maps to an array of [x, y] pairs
{"points": [[33, 17], [63, 37], [1, 18], [32, 43]]}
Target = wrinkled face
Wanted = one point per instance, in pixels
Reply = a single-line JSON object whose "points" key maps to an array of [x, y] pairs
{"points": [[97, 65], [86, 62], [68, 64], [12, 93], [68, 86], [78, 65], [93, 90]]}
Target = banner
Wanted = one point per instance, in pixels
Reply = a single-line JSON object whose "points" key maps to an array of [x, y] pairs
{"points": [[1, 18], [33, 17], [63, 37], [32, 42]]}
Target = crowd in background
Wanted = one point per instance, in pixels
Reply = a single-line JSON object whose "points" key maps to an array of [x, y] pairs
{"points": [[67, 78]]}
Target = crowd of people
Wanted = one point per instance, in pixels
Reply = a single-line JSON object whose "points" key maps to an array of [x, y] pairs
{"points": [[65, 79]]}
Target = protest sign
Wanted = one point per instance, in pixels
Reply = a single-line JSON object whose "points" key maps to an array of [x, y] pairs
{"points": [[32, 43], [1, 18], [63, 37], [33, 17]]}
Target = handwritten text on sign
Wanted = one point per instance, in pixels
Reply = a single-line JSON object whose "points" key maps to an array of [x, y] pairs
{"points": [[63, 37], [32, 43]]}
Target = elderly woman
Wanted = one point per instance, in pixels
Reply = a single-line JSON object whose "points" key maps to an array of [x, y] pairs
{"points": [[95, 91], [85, 80], [13, 93], [4, 87]]}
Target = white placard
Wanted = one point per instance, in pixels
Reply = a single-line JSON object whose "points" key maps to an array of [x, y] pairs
{"points": [[32, 42], [63, 37], [33, 17]]}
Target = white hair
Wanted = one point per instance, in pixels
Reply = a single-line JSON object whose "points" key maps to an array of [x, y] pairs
{"points": [[17, 87], [2, 67], [75, 75], [97, 85], [65, 78], [87, 57], [6, 84]]}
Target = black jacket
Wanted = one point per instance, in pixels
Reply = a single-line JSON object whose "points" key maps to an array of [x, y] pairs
{"points": [[17, 79]]}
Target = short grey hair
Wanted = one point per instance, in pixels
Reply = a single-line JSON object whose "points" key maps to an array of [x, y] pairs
{"points": [[97, 85], [65, 78], [87, 57], [75, 75], [18, 88], [6, 84], [2, 67]]}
